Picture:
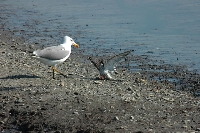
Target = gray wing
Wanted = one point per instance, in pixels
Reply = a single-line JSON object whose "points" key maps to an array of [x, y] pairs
{"points": [[96, 64], [111, 64], [52, 53]]}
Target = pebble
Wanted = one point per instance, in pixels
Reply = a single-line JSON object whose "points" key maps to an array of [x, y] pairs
{"points": [[197, 93], [131, 117], [88, 114], [129, 89], [116, 118], [62, 83], [168, 99], [3, 43], [97, 82], [76, 113], [198, 129], [121, 127], [112, 107]]}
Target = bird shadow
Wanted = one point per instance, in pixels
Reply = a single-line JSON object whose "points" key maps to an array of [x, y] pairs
{"points": [[20, 77], [92, 78], [10, 88]]}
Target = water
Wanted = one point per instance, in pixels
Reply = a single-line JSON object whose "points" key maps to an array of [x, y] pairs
{"points": [[164, 30]]}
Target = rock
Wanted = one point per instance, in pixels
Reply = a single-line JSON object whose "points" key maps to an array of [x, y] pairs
{"points": [[168, 99], [97, 82], [116, 118], [112, 107], [197, 93], [75, 112], [129, 88], [3, 43], [62, 83], [131, 117], [88, 114], [198, 129], [75, 93]]}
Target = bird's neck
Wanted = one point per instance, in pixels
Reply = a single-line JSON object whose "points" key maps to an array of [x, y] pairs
{"points": [[66, 46]]}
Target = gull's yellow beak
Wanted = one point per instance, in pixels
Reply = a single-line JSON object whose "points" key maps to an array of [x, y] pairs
{"points": [[76, 45]]}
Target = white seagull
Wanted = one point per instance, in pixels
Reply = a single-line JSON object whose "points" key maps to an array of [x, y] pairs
{"points": [[55, 55], [107, 69]]}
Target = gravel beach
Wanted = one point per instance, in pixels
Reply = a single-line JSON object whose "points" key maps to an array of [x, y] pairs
{"points": [[31, 101]]}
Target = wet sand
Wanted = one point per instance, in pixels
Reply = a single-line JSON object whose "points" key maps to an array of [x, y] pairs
{"points": [[31, 101]]}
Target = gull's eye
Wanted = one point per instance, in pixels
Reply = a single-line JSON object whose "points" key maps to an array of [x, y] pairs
{"points": [[71, 40]]}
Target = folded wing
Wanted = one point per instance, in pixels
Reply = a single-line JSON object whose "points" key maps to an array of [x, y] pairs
{"points": [[52, 53]]}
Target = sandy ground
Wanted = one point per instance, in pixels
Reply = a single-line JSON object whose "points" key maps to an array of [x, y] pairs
{"points": [[31, 101]]}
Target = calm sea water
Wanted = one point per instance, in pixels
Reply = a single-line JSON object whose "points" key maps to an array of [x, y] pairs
{"points": [[165, 30]]}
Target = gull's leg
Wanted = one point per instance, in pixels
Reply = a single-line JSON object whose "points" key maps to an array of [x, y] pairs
{"points": [[54, 69], [53, 73]]}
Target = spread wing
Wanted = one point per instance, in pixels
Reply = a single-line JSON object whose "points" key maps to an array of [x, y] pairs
{"points": [[112, 63], [96, 64], [52, 53]]}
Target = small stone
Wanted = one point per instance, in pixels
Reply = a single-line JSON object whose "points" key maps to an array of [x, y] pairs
{"points": [[62, 83], [143, 108], [150, 130], [151, 95], [116, 118], [112, 107], [76, 113], [75, 93], [168, 99], [198, 129], [88, 114], [3, 114], [97, 82], [32, 46], [197, 93], [3, 43], [17, 101], [185, 126], [184, 111], [121, 127], [129, 88], [131, 117], [138, 94]]}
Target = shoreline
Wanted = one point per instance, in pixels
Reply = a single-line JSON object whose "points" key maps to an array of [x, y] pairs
{"points": [[33, 102]]}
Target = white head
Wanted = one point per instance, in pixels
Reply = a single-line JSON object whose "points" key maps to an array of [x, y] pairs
{"points": [[68, 40]]}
